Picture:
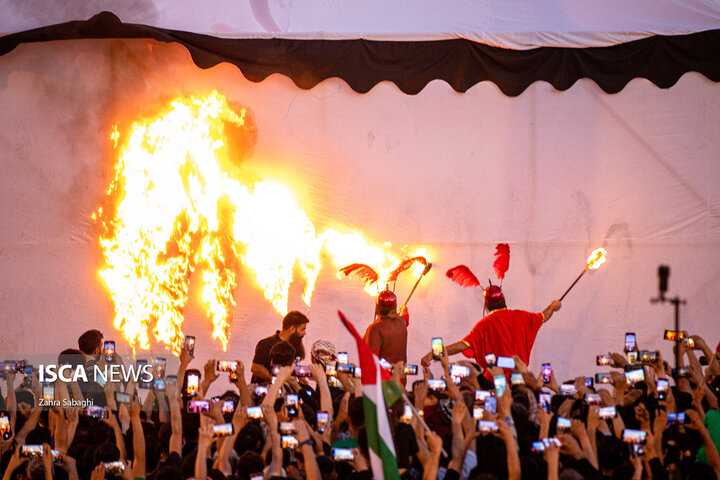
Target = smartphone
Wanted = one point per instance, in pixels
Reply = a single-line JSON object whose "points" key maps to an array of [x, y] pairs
{"points": [[638, 450], [437, 384], [27, 380], [607, 412], [673, 335], [226, 366], [592, 399], [682, 372], [407, 414], [302, 371], [193, 384], [48, 393], [675, 418], [647, 356], [589, 382], [487, 426], [342, 455], [563, 423], [500, 385], [490, 360], [386, 365], [96, 411], [603, 360], [159, 385], [690, 342], [630, 341], [478, 412], [603, 378], [461, 371], [662, 387], [121, 397], [634, 436], [517, 379], [568, 389], [286, 428], [545, 399], [635, 376], [546, 370], [357, 372], [254, 412], [505, 362], [538, 446], [223, 430], [31, 451], [190, 345], [632, 357], [411, 369], [261, 390], [342, 357], [345, 368], [330, 370], [491, 405], [288, 441], [139, 364], [198, 406], [322, 419], [5, 428], [438, 350], [291, 405], [109, 351], [171, 380], [160, 364], [7, 367], [257, 477], [228, 406], [114, 468], [481, 395]]}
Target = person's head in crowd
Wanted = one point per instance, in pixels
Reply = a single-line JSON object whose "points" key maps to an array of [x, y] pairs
{"points": [[282, 354], [327, 467], [386, 303], [295, 324], [90, 342], [72, 357], [323, 352], [249, 463], [35, 470], [356, 414]]}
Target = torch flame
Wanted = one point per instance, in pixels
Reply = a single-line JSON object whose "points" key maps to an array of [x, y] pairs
{"points": [[179, 208], [596, 258]]}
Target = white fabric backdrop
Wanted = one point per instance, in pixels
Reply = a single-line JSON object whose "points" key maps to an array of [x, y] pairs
{"points": [[516, 24], [555, 174]]}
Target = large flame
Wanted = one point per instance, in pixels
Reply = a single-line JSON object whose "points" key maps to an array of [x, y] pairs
{"points": [[596, 258], [180, 207]]}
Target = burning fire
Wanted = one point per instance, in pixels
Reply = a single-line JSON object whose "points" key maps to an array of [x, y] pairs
{"points": [[180, 206], [596, 258]]}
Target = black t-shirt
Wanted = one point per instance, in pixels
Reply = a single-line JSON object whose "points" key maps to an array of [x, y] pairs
{"points": [[405, 444], [262, 354]]}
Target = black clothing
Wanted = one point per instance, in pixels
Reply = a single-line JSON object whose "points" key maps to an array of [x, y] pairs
{"points": [[262, 354]]}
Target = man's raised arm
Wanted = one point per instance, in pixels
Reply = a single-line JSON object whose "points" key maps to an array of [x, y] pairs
{"points": [[554, 306]]}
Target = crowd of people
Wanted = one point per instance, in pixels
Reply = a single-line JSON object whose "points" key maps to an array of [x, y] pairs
{"points": [[302, 415]]}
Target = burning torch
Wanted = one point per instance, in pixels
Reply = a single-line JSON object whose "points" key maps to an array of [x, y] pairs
{"points": [[594, 261]]}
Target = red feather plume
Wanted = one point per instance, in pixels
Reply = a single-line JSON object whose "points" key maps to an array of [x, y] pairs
{"points": [[366, 273], [462, 276], [404, 265], [502, 262]]}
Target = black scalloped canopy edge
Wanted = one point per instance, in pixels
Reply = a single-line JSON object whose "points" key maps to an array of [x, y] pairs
{"points": [[412, 65]]}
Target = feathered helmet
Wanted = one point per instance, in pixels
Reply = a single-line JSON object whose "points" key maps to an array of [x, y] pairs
{"points": [[493, 294], [386, 300]]}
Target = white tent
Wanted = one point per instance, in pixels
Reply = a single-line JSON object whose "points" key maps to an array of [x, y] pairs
{"points": [[553, 173]]}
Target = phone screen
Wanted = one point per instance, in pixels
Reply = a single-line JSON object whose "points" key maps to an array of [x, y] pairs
{"points": [[190, 345], [491, 405], [193, 384], [478, 412], [160, 367], [437, 347], [487, 426], [411, 369], [546, 372], [342, 455], [517, 379], [481, 395], [322, 420], [634, 436], [545, 399], [607, 412], [5, 428], [436, 384], [226, 366], [109, 349], [48, 393], [603, 360], [223, 430], [407, 414], [490, 360], [662, 388], [291, 405], [121, 397], [302, 371], [635, 376], [603, 378], [500, 384], [342, 357], [630, 343], [159, 384], [198, 406], [505, 362]]}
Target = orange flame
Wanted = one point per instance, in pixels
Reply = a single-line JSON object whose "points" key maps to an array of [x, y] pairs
{"points": [[596, 258], [178, 206]]}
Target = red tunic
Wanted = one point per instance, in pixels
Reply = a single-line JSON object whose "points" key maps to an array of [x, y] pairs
{"points": [[505, 333]]}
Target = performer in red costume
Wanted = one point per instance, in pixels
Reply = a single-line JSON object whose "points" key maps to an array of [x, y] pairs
{"points": [[501, 332]]}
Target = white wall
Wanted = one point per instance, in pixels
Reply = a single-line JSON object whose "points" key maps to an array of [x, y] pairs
{"points": [[555, 174]]}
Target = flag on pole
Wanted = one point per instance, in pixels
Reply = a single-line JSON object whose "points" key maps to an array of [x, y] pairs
{"points": [[379, 391]]}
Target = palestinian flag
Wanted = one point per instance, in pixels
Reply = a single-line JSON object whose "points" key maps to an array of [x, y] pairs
{"points": [[379, 391]]}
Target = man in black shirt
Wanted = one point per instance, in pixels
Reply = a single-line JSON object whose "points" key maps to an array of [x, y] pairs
{"points": [[293, 330]]}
